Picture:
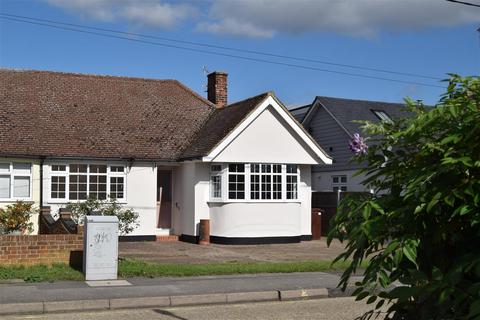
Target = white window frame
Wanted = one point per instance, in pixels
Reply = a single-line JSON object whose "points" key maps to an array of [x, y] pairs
{"points": [[216, 173], [67, 175], [294, 174], [248, 177], [12, 174], [339, 185]]}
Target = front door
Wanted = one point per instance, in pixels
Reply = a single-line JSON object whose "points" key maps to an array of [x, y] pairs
{"points": [[164, 198]]}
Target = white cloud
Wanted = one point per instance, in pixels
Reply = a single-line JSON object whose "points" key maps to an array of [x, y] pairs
{"points": [[154, 13], [265, 18]]}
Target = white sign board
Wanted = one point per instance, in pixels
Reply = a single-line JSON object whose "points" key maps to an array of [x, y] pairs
{"points": [[100, 248]]}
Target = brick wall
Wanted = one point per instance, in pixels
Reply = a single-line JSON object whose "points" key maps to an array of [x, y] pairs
{"points": [[41, 249]]}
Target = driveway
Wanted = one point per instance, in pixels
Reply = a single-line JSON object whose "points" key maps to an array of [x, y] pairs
{"points": [[182, 252]]}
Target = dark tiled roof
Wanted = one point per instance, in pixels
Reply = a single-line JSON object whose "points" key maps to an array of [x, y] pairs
{"points": [[221, 122], [299, 113], [347, 110], [73, 115]]}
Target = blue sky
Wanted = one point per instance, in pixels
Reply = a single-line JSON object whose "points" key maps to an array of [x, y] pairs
{"points": [[429, 37]]}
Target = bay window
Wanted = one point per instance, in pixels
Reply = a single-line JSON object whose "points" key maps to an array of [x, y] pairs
{"points": [[79, 181], [236, 181], [255, 182], [15, 180]]}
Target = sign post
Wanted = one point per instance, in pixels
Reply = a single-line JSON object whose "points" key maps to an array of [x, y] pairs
{"points": [[100, 248]]}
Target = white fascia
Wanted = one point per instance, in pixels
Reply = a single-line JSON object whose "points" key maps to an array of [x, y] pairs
{"points": [[269, 101]]}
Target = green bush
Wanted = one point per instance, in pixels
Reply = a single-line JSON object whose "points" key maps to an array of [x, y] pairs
{"points": [[127, 218], [421, 226], [16, 217]]}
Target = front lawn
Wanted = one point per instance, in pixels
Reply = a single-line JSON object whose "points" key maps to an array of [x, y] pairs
{"points": [[134, 268]]}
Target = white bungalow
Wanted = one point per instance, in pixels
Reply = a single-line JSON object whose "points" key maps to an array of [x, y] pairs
{"points": [[162, 150]]}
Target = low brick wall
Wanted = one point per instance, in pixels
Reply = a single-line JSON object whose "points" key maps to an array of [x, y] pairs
{"points": [[41, 249]]}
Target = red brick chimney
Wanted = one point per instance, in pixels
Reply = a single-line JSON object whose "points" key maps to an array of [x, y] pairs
{"points": [[217, 88]]}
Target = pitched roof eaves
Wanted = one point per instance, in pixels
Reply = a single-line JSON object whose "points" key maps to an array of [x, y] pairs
{"points": [[317, 100]]}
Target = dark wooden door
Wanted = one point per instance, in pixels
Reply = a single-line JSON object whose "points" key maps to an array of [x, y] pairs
{"points": [[164, 198]]}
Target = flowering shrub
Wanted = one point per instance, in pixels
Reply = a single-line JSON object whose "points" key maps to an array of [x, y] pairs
{"points": [[357, 145], [127, 218], [420, 229], [16, 217]]}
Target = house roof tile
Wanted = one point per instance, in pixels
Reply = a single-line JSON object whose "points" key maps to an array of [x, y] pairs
{"points": [[53, 114]]}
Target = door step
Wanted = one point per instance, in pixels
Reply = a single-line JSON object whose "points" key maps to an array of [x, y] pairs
{"points": [[167, 238]]}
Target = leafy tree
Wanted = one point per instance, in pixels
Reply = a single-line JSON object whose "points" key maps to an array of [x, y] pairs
{"points": [[127, 218], [420, 229]]}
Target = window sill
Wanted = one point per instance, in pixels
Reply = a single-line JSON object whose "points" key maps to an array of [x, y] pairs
{"points": [[220, 201], [16, 199]]}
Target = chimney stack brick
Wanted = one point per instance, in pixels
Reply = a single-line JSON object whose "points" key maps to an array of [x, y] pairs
{"points": [[217, 88]]}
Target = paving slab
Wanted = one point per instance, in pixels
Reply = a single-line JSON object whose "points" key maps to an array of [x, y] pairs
{"points": [[144, 302], [202, 299], [76, 305], [19, 308]]}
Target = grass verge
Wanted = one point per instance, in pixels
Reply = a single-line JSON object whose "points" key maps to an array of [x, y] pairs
{"points": [[134, 268]]}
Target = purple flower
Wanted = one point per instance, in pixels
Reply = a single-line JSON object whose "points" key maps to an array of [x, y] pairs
{"points": [[357, 145]]}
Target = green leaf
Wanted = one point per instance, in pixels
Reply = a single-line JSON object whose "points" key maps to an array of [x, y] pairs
{"points": [[410, 251], [403, 293], [371, 299], [362, 295]]}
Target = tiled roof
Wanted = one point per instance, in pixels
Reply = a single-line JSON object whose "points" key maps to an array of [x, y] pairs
{"points": [[55, 114], [346, 111], [299, 113], [221, 122]]}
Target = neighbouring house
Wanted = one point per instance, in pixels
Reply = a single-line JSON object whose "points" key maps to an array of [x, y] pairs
{"points": [[331, 121], [161, 149]]}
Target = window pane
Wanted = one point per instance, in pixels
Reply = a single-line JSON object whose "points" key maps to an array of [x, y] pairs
{"points": [[98, 185], [277, 187], [21, 187], [236, 186], [277, 168], [266, 168], [254, 168], [78, 168], [216, 186], [236, 167], [255, 187], [343, 179], [216, 168], [291, 168], [117, 169], [292, 187], [4, 167], [58, 187], [335, 179], [5, 187], [56, 167], [266, 187], [94, 168], [20, 167], [78, 187], [343, 188]]}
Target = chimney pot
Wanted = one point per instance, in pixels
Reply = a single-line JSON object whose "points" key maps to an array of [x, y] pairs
{"points": [[217, 88]]}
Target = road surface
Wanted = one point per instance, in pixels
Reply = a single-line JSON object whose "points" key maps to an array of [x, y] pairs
{"points": [[322, 309]]}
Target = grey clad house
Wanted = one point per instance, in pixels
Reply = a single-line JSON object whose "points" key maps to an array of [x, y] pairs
{"points": [[331, 122]]}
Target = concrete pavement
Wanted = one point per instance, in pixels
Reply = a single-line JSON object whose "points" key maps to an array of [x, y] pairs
{"points": [[164, 292], [325, 309]]}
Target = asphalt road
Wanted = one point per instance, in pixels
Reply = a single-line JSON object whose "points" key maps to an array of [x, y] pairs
{"points": [[331, 309]]}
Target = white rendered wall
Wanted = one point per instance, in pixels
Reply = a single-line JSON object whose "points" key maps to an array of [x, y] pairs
{"points": [[140, 187], [192, 180], [305, 198], [322, 181], [274, 219], [264, 218], [267, 140], [34, 188]]}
